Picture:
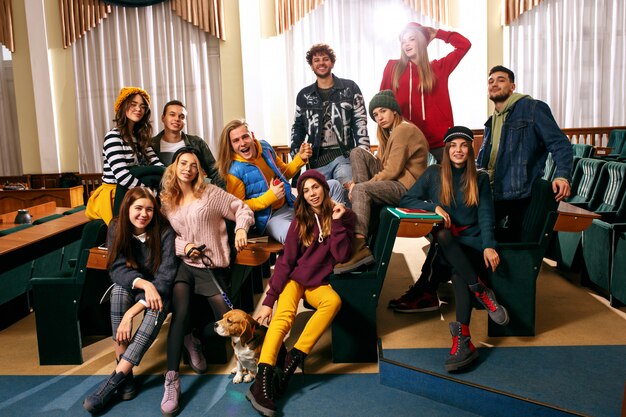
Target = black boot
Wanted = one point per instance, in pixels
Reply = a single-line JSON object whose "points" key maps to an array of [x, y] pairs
{"points": [[261, 394], [293, 360], [127, 389], [463, 351], [98, 399]]}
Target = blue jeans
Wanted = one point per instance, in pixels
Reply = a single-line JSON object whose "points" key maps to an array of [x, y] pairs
{"points": [[341, 170], [278, 224]]}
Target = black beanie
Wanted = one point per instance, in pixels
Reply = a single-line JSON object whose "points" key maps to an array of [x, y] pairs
{"points": [[458, 132], [384, 99]]}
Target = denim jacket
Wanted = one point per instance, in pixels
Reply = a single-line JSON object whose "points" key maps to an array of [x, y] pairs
{"points": [[529, 132], [348, 114]]}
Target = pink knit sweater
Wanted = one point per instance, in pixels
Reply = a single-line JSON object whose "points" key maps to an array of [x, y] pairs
{"points": [[202, 222]]}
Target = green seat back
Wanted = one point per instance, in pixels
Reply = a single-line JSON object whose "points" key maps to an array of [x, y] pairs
{"points": [[542, 202], [584, 180], [582, 150], [550, 167], [617, 138], [148, 175], [610, 189]]}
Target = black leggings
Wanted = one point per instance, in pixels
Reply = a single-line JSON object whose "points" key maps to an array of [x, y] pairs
{"points": [[467, 264], [181, 300]]}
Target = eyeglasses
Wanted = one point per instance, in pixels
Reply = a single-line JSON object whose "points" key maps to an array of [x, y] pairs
{"points": [[139, 106]]}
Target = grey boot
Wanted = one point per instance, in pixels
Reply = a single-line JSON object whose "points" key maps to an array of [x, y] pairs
{"points": [[487, 298], [261, 393], [463, 351], [98, 399]]}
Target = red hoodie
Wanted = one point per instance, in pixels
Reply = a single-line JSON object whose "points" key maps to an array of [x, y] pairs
{"points": [[432, 112]]}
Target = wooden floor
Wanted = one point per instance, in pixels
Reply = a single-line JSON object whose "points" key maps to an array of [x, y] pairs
{"points": [[567, 314]]}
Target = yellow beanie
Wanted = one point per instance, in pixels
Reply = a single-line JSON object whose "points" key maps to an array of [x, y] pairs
{"points": [[126, 92]]}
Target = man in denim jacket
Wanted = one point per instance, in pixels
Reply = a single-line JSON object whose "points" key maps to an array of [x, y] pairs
{"points": [[518, 137], [331, 116]]}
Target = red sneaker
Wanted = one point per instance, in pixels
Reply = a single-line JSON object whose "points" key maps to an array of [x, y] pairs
{"points": [[411, 294], [425, 302]]}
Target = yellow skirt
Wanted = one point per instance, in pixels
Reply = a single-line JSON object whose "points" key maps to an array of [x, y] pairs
{"points": [[100, 204]]}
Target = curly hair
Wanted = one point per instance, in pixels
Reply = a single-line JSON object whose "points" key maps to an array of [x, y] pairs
{"points": [[171, 193], [320, 49]]}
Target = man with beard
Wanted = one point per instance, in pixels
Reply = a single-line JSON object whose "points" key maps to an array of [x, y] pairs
{"points": [[518, 137], [331, 116], [172, 138]]}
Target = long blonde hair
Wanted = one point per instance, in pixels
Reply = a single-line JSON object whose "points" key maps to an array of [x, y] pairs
{"points": [[225, 156], [469, 182], [424, 69], [171, 193]]}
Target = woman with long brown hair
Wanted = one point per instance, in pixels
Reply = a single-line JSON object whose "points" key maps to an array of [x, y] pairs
{"points": [[421, 85], [126, 145], [317, 239], [142, 266], [462, 197]]}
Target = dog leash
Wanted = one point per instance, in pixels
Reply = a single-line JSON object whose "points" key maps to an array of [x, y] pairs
{"points": [[219, 288]]}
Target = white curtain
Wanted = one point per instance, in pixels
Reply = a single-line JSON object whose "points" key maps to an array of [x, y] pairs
{"points": [[10, 156], [152, 48], [364, 36], [572, 55]]}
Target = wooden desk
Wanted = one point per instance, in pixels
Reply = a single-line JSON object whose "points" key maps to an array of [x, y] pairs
{"points": [[56, 210], [572, 218], [254, 254], [18, 199], [41, 232]]}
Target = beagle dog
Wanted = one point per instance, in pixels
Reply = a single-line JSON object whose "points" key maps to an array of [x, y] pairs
{"points": [[247, 337]]}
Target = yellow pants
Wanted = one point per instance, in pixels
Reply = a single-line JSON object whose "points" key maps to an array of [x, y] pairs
{"points": [[326, 303], [100, 204]]}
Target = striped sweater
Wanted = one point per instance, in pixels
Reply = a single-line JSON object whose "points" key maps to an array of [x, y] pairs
{"points": [[118, 155]]}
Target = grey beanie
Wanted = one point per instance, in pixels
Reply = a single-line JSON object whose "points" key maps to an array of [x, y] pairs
{"points": [[384, 99]]}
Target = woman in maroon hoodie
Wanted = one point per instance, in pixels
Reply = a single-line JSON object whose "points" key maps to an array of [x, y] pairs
{"points": [[319, 237], [421, 85]]}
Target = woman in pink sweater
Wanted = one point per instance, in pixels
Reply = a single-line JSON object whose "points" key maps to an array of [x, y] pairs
{"points": [[421, 85], [197, 212]]}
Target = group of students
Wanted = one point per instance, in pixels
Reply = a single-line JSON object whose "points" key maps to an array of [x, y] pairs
{"points": [[320, 232]]}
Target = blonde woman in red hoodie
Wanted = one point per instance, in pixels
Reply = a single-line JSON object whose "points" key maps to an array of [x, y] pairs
{"points": [[420, 85]]}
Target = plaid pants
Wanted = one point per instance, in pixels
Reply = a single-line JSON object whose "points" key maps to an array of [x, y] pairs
{"points": [[121, 301], [366, 192]]}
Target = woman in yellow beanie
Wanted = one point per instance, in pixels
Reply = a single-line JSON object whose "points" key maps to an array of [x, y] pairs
{"points": [[126, 145]]}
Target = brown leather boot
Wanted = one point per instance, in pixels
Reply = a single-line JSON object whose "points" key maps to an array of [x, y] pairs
{"points": [[361, 256]]}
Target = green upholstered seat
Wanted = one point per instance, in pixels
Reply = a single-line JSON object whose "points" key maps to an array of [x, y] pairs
{"points": [[63, 301], [515, 280], [550, 167], [617, 141], [580, 151], [599, 244], [618, 275], [354, 336], [584, 180], [605, 200]]}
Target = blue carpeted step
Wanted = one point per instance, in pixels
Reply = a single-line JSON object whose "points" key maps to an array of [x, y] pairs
{"points": [[344, 395], [550, 381]]}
